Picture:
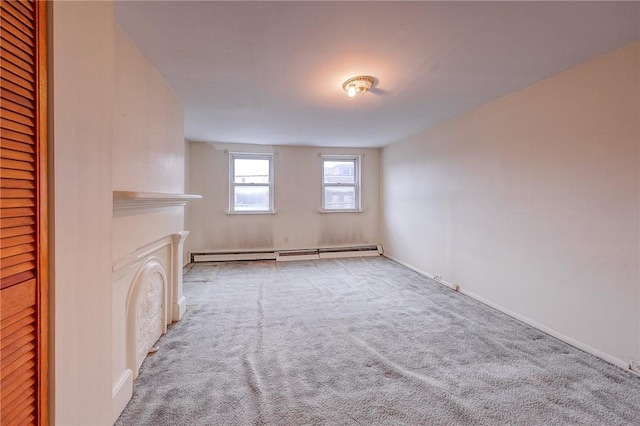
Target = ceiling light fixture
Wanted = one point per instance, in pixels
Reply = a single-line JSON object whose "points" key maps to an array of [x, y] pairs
{"points": [[359, 84]]}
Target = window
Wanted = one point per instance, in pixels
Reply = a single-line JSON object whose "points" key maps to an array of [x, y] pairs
{"points": [[341, 183], [251, 183]]}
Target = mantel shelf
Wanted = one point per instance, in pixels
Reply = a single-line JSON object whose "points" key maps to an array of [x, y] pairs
{"points": [[135, 201]]}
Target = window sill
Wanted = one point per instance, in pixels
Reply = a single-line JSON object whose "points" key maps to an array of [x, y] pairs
{"points": [[251, 212], [339, 211]]}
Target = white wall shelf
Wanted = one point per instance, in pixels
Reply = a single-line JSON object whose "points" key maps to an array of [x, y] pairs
{"points": [[132, 201]]}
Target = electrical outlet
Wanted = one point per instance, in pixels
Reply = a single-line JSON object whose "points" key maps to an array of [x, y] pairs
{"points": [[634, 365]]}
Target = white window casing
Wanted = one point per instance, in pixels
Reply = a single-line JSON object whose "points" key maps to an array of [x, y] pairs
{"points": [[341, 183], [251, 183]]}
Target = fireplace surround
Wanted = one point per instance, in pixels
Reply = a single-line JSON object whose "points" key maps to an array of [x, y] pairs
{"points": [[148, 245]]}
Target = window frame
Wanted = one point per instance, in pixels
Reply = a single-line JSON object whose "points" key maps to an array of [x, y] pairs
{"points": [[357, 159], [232, 181]]}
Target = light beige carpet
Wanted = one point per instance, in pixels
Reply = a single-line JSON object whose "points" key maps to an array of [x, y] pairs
{"points": [[363, 341]]}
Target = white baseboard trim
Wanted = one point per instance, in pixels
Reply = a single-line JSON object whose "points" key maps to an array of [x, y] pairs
{"points": [[295, 257], [420, 271], [179, 308], [121, 394], [288, 254], [545, 329], [344, 254], [224, 257]]}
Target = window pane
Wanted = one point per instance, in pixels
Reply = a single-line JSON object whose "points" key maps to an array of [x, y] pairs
{"points": [[339, 198], [249, 170], [251, 198], [339, 171]]}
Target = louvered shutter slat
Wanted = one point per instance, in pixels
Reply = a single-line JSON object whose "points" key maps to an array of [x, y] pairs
{"points": [[6, 114], [19, 25], [13, 280], [18, 202], [8, 57], [14, 11], [14, 183], [15, 29], [16, 250], [18, 259], [16, 146], [7, 134], [18, 193], [15, 107]]}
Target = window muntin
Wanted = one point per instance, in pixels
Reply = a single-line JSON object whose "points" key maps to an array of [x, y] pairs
{"points": [[251, 183], [341, 183]]}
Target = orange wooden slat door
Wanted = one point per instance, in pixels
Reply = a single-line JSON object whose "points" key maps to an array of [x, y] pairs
{"points": [[23, 213]]}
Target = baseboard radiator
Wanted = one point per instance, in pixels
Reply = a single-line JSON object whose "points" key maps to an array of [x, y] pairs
{"points": [[288, 255]]}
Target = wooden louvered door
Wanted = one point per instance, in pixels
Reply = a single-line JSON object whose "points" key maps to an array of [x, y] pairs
{"points": [[23, 213]]}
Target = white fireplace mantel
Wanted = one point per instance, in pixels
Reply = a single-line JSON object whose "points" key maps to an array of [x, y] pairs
{"points": [[134, 201]]}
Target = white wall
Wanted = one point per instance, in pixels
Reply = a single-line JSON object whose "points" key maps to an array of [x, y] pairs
{"points": [[148, 146], [82, 84], [532, 202], [297, 222], [116, 125]]}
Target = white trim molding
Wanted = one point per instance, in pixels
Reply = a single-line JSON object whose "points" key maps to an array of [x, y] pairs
{"points": [[233, 156], [356, 159], [121, 393], [178, 301], [130, 202]]}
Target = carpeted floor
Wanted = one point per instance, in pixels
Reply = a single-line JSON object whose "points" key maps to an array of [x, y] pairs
{"points": [[363, 341]]}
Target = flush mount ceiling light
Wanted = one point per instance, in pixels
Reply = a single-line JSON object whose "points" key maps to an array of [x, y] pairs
{"points": [[359, 84]]}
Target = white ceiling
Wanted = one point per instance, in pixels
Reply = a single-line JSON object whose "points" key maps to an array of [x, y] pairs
{"points": [[271, 72]]}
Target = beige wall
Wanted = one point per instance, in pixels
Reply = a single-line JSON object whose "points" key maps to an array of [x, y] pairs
{"points": [[297, 222], [148, 137], [148, 146], [532, 203], [82, 84], [116, 126]]}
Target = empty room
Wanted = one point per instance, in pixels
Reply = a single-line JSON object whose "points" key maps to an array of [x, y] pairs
{"points": [[320, 213]]}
